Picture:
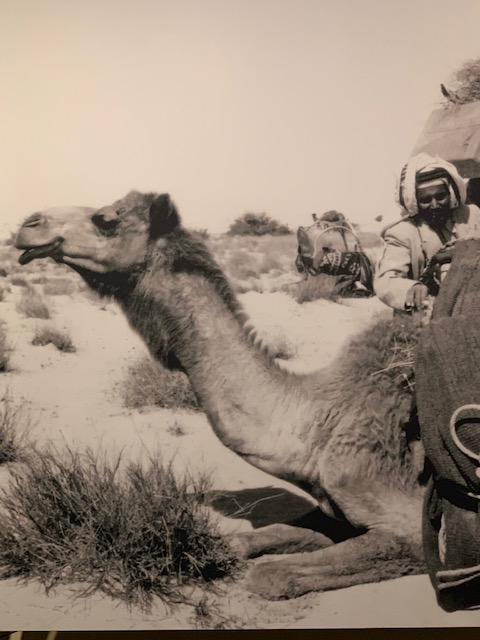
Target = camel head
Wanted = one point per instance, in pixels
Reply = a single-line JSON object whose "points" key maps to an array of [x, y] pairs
{"points": [[99, 242]]}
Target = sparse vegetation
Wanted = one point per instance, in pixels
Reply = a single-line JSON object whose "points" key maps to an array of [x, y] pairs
{"points": [[14, 431], [315, 288], [133, 534], [19, 281], [257, 224], [148, 383], [51, 335], [33, 305], [59, 287], [464, 84], [4, 349]]}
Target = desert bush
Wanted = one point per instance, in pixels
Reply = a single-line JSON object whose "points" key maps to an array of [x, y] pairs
{"points": [[271, 262], [14, 431], [464, 84], [321, 287], [241, 265], [147, 383], [33, 305], [51, 335], [19, 281], [4, 349], [133, 534], [59, 287], [257, 224]]}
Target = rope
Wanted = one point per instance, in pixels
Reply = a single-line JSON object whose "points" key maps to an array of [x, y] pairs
{"points": [[456, 439]]}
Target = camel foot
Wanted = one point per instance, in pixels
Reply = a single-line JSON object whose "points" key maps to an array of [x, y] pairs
{"points": [[371, 557], [274, 581], [276, 539]]}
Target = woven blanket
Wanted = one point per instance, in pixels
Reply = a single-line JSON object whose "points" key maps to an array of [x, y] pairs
{"points": [[447, 375]]}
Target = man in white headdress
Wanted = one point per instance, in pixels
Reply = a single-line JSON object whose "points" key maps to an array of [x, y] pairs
{"points": [[432, 196]]}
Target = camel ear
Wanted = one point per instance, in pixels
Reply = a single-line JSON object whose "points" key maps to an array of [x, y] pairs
{"points": [[163, 216]]}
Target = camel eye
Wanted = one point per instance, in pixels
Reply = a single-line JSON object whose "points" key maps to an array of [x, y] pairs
{"points": [[106, 221]]}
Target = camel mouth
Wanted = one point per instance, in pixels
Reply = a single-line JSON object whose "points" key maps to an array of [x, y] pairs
{"points": [[43, 251]]}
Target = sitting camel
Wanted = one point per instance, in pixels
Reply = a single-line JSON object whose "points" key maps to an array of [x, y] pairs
{"points": [[337, 433]]}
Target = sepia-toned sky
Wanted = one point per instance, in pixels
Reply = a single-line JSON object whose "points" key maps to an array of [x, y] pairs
{"points": [[282, 106]]}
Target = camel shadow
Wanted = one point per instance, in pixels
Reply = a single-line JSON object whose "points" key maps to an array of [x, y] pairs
{"points": [[270, 505]]}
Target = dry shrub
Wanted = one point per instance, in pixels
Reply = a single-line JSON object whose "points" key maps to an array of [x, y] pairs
{"points": [[14, 431], [4, 349], [19, 281], [33, 305], [464, 84], [241, 265], [271, 262], [321, 287], [147, 383], [59, 287], [74, 517], [52, 335], [257, 224]]}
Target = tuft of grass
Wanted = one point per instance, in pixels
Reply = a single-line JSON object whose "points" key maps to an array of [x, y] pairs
{"points": [[73, 517], [52, 335], [14, 431], [321, 287], [148, 383], [33, 305], [4, 349], [59, 287], [19, 281]]}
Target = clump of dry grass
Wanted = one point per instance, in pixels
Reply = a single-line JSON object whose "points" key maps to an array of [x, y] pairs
{"points": [[33, 305], [135, 534], [321, 287], [401, 356], [4, 349], [51, 335], [59, 287], [147, 383], [19, 281], [14, 431]]}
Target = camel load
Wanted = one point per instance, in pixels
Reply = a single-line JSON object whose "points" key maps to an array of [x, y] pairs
{"points": [[331, 246], [447, 384]]}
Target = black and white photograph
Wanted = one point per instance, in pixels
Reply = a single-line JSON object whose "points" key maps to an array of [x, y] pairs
{"points": [[239, 302]]}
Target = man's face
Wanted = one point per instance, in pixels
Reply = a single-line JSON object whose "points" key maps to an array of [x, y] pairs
{"points": [[434, 203]]}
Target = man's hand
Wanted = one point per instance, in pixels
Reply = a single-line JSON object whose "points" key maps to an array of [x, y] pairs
{"points": [[416, 296]]}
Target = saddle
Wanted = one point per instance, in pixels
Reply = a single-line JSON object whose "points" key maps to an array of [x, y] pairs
{"points": [[447, 379], [330, 246]]}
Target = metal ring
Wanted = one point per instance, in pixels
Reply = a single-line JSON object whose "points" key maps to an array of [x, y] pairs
{"points": [[453, 432]]}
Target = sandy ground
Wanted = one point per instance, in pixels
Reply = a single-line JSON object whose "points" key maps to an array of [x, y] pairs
{"points": [[77, 399]]}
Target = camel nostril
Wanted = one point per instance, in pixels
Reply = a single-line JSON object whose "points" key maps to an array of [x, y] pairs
{"points": [[34, 220]]}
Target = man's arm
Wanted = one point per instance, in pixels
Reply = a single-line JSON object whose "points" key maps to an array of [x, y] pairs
{"points": [[393, 284]]}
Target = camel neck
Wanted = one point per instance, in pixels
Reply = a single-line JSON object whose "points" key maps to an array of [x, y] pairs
{"points": [[256, 409]]}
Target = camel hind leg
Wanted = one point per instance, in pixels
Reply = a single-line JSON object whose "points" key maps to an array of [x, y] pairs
{"points": [[371, 557]]}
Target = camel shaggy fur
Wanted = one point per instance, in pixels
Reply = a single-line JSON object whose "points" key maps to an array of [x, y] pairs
{"points": [[337, 433]]}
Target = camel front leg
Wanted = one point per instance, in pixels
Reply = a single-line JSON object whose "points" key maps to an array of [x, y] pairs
{"points": [[278, 538], [371, 557]]}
